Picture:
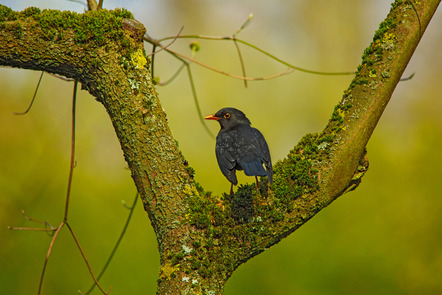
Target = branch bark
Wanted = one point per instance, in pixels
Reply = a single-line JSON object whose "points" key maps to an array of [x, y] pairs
{"points": [[202, 238]]}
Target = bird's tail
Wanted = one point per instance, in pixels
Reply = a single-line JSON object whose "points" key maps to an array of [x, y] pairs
{"points": [[254, 168]]}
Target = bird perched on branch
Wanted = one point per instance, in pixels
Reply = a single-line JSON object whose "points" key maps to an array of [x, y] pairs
{"points": [[240, 147]]}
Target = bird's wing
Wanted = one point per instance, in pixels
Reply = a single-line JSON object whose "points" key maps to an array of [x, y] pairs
{"points": [[264, 152], [226, 156], [249, 154]]}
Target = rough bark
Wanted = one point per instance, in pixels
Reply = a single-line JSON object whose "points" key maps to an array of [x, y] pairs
{"points": [[202, 239]]}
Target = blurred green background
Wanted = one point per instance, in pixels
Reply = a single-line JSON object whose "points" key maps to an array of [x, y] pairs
{"points": [[383, 238]]}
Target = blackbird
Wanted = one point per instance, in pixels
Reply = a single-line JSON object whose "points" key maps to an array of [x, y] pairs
{"points": [[240, 147]]}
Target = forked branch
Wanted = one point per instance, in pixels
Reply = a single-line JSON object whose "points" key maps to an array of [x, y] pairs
{"points": [[201, 239]]}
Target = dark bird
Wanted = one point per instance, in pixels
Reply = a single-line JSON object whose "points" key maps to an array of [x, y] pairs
{"points": [[240, 147]]}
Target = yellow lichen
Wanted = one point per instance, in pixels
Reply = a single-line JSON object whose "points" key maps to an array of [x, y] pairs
{"points": [[386, 42], [341, 113], [190, 190], [138, 59], [167, 270]]}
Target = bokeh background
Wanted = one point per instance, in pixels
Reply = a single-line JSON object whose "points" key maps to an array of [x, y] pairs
{"points": [[383, 238]]}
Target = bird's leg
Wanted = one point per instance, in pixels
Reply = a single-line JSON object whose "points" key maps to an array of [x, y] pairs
{"points": [[257, 184], [231, 190]]}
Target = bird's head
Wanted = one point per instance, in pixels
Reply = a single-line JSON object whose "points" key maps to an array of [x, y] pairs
{"points": [[229, 117]]}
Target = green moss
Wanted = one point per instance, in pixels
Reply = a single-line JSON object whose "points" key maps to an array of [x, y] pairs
{"points": [[382, 40], [97, 28], [295, 175], [336, 115], [30, 11], [7, 14], [242, 207], [396, 4], [17, 28], [122, 13], [203, 210]]}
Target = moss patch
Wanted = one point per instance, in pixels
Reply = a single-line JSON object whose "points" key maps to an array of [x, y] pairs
{"points": [[95, 28], [7, 14]]}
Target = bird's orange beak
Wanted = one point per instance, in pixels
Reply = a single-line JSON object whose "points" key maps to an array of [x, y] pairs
{"points": [[211, 117]]}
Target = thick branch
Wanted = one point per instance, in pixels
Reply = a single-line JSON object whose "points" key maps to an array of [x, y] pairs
{"points": [[104, 51], [363, 103]]}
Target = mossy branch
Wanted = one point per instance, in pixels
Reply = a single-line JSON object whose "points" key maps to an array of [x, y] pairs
{"points": [[103, 50], [203, 238]]}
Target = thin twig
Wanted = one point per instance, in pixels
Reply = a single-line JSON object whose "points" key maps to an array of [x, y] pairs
{"points": [[418, 18], [72, 164], [262, 51], [243, 69], [195, 98], [47, 256], [117, 244], [407, 78], [33, 98], [48, 230], [176, 54], [289, 71], [61, 77], [32, 219], [85, 259], [162, 48], [71, 170], [183, 65], [155, 43], [152, 62], [241, 61], [32, 228], [79, 1], [244, 25]]}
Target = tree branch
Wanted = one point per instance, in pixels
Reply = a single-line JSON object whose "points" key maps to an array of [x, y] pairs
{"points": [[202, 238]]}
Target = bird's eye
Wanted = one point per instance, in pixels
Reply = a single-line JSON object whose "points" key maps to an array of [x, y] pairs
{"points": [[227, 116]]}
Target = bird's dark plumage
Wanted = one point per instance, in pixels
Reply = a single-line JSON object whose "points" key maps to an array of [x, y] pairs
{"points": [[240, 146]]}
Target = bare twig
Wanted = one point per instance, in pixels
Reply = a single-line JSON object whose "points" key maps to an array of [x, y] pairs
{"points": [[241, 61], [85, 259], [48, 230], [198, 109], [66, 211], [260, 50], [156, 43], [33, 219], [183, 65], [244, 25], [289, 71], [72, 164], [33, 98], [407, 78], [48, 254], [162, 48], [79, 1], [418, 18], [118, 242], [33, 228], [62, 77]]}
